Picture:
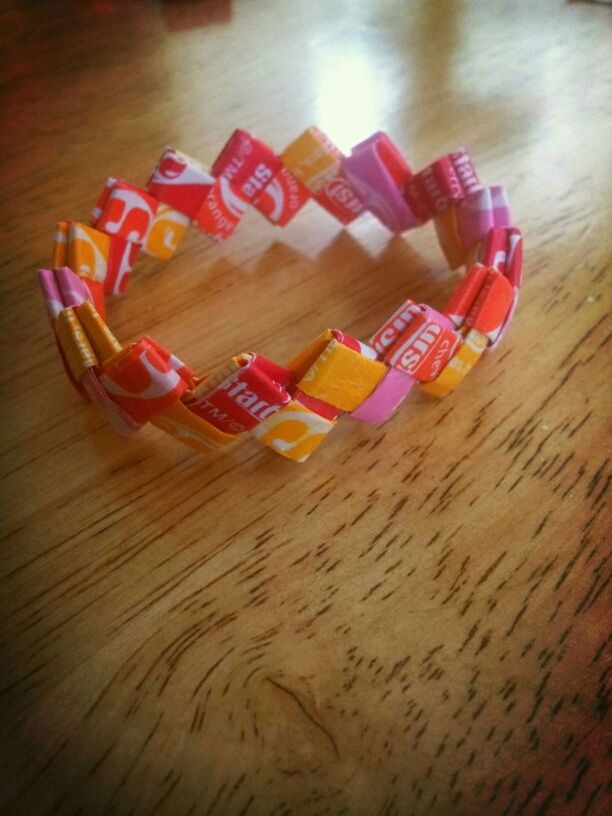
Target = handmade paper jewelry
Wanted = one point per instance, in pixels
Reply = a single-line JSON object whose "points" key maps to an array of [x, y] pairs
{"points": [[291, 407]]}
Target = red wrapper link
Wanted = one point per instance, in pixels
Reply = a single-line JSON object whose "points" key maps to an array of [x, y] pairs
{"points": [[289, 408]]}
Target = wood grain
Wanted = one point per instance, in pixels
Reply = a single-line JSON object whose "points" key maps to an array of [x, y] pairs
{"points": [[416, 621]]}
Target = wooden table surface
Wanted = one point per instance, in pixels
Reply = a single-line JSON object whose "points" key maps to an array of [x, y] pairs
{"points": [[413, 622]]}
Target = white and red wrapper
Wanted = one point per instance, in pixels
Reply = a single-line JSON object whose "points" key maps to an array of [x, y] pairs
{"points": [[181, 182], [254, 390], [125, 211], [221, 211], [145, 379], [248, 163], [441, 185], [283, 198], [338, 198], [417, 340], [317, 162], [122, 256]]}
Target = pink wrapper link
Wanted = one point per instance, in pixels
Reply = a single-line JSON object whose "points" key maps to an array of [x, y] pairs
{"points": [[290, 408]]}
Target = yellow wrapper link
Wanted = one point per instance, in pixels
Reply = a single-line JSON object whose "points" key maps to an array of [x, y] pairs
{"points": [[464, 359]]}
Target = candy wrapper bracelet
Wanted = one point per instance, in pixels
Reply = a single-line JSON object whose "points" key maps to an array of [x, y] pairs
{"points": [[292, 407]]}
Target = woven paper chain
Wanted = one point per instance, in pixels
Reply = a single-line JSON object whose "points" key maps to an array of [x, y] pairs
{"points": [[291, 408]]}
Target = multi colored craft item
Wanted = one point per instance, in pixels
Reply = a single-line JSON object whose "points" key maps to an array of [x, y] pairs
{"points": [[290, 408]]}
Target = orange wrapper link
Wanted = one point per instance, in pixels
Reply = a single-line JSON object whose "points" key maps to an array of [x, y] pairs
{"points": [[316, 161], [291, 408], [261, 178], [334, 374]]}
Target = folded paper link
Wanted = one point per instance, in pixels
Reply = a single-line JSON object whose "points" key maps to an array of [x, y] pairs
{"points": [[126, 214], [502, 249], [338, 370], [460, 364], [463, 297], [377, 172], [62, 289], [417, 340], [481, 211], [85, 250], [103, 342], [106, 261], [167, 230], [386, 397], [178, 421], [317, 163], [462, 228], [248, 163], [143, 379], [294, 431], [483, 301], [124, 210], [392, 159], [181, 182], [116, 417], [74, 343], [221, 211], [241, 394], [442, 185], [283, 198], [491, 305]]}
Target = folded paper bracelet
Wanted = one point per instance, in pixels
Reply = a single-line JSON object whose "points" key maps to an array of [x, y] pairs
{"points": [[290, 408]]}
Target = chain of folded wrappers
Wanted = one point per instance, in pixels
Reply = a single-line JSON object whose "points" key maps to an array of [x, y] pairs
{"points": [[292, 407]]}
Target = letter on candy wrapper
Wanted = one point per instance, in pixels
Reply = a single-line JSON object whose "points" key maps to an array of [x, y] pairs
{"points": [[248, 163], [221, 211], [124, 210], [316, 162], [283, 198], [377, 185], [417, 340], [442, 185], [466, 356], [180, 422], [424, 348], [241, 394]]}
